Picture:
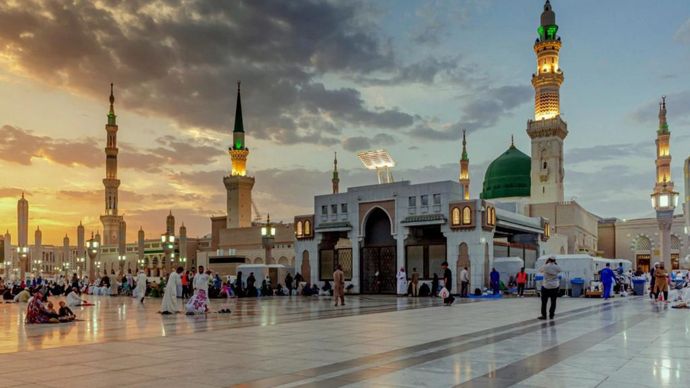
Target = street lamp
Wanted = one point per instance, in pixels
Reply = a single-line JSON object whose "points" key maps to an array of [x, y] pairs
{"points": [[268, 233], [80, 265], [23, 254], [168, 243], [121, 259], [92, 246]]}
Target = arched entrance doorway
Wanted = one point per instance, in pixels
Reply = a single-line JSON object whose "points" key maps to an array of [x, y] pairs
{"points": [[378, 254], [463, 262], [643, 253], [306, 267]]}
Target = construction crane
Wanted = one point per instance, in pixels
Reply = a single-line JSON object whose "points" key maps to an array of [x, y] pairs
{"points": [[257, 215]]}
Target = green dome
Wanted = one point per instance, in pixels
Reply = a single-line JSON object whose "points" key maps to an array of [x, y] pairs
{"points": [[508, 176]]}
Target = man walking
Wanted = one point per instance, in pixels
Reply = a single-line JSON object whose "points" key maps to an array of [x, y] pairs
{"points": [[606, 275], [447, 283], [339, 285], [521, 280], [415, 282], [549, 287], [464, 282]]}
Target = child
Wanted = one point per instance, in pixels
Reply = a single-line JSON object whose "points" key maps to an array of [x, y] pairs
{"points": [[50, 310], [65, 314]]}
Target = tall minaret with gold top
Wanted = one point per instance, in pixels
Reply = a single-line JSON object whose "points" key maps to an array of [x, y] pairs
{"points": [[664, 199], [547, 130], [335, 180], [465, 169], [110, 219], [238, 184]]}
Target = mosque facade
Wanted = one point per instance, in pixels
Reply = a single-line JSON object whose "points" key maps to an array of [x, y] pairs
{"points": [[373, 231]]}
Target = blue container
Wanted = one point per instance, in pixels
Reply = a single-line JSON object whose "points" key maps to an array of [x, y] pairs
{"points": [[578, 284], [638, 285]]}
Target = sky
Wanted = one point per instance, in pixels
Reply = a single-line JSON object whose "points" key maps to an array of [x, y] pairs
{"points": [[318, 78]]}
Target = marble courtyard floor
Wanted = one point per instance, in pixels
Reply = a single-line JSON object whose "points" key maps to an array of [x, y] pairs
{"points": [[376, 341]]}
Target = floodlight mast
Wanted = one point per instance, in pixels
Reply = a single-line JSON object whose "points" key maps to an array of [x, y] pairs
{"points": [[379, 160]]}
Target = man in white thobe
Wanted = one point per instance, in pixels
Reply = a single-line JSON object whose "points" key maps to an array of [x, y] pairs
{"points": [[140, 290], [169, 304], [402, 282], [201, 280]]}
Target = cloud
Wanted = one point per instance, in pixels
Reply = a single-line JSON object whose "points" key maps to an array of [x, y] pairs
{"points": [[433, 19], [677, 107], [362, 143], [606, 152], [683, 33], [484, 110], [180, 60], [12, 192], [21, 146]]}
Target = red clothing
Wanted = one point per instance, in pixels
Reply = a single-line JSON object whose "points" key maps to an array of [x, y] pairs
{"points": [[184, 280], [521, 277]]}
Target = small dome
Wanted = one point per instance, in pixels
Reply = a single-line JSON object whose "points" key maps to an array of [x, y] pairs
{"points": [[508, 176]]}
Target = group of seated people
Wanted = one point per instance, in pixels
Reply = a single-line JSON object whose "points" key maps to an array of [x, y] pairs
{"points": [[40, 311]]}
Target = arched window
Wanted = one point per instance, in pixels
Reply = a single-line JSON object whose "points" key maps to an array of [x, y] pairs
{"points": [[643, 244], [307, 228], [675, 243], [299, 229], [492, 216], [466, 215], [455, 216]]}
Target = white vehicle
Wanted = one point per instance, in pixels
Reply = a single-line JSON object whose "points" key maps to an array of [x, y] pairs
{"points": [[583, 266]]}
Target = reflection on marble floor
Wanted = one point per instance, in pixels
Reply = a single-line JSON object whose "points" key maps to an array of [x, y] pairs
{"points": [[374, 341]]}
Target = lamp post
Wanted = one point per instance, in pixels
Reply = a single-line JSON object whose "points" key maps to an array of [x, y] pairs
{"points": [[121, 260], [268, 233], [140, 264], [168, 244], [80, 266], [37, 267], [664, 201], [23, 254], [92, 246]]}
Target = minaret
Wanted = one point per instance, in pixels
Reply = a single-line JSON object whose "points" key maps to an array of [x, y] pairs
{"points": [[663, 152], [183, 245], [238, 184], [110, 219], [140, 248], [465, 169], [81, 242], [65, 250], [37, 253], [335, 180], [22, 222], [547, 130], [170, 224], [663, 196]]}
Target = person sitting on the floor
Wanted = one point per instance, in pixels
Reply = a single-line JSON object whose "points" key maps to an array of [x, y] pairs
{"points": [[23, 296], [37, 312], [73, 298], [65, 314]]}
